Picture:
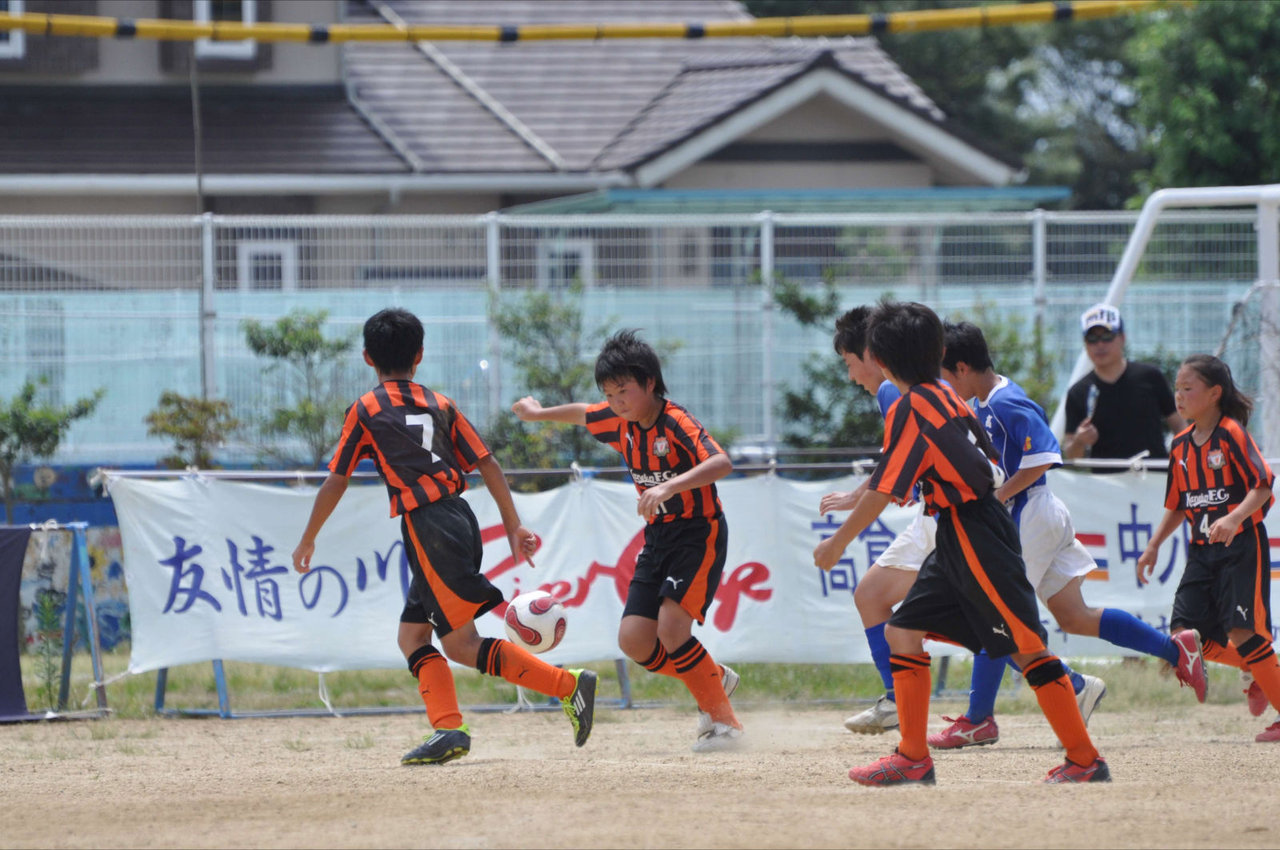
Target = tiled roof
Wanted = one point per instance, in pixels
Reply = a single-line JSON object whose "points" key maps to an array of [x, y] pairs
{"points": [[148, 130], [706, 91], [579, 97]]}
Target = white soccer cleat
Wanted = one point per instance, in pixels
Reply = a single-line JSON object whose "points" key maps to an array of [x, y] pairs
{"points": [[1090, 695], [717, 738], [876, 720], [729, 679]]}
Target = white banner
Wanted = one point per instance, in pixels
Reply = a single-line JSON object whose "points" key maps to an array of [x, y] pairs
{"points": [[207, 564]]}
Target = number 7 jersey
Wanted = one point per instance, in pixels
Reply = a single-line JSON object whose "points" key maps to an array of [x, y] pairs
{"points": [[1207, 482], [420, 442]]}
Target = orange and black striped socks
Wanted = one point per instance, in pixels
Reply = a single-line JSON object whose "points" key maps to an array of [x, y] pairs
{"points": [[702, 676], [1260, 660], [659, 662], [1057, 699], [435, 684], [505, 660], [911, 681]]}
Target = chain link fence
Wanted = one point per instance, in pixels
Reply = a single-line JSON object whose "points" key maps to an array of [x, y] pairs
{"points": [[139, 305]]}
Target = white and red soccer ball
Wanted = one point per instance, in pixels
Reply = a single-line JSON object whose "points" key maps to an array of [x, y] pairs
{"points": [[536, 621]]}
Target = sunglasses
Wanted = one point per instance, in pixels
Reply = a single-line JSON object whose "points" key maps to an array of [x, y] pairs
{"points": [[1099, 336]]}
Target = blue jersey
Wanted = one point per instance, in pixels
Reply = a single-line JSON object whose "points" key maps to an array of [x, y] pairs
{"points": [[885, 397], [1020, 432]]}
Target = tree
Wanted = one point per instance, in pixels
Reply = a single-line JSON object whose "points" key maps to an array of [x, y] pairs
{"points": [[197, 426], [311, 408], [33, 430], [825, 410], [544, 339], [1054, 95], [1206, 84]]}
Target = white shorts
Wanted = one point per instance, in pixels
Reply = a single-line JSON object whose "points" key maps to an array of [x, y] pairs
{"points": [[1053, 555], [909, 549]]}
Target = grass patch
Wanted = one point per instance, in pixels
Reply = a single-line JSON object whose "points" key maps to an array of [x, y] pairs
{"points": [[1131, 684]]}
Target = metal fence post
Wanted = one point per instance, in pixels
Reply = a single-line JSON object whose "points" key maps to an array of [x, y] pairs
{"points": [[493, 272], [1039, 265], [208, 310], [767, 330], [1268, 330]]}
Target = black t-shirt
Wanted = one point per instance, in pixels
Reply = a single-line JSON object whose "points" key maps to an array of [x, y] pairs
{"points": [[1128, 414]]}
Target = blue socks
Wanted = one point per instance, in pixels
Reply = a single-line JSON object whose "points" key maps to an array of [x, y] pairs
{"points": [[880, 655], [1123, 629], [988, 672]]}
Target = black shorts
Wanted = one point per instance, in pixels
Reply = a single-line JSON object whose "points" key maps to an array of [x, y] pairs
{"points": [[1226, 587], [973, 589], [681, 560], [442, 542]]}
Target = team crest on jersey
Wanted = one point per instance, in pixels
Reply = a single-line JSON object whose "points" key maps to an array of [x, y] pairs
{"points": [[1026, 444], [1215, 459], [661, 447]]}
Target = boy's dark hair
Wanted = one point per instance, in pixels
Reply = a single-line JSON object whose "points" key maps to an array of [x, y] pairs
{"points": [[906, 338], [851, 332], [393, 338], [964, 343], [1216, 373], [625, 355]]}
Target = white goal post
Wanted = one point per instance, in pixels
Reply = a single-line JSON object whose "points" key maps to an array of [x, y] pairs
{"points": [[1266, 199]]}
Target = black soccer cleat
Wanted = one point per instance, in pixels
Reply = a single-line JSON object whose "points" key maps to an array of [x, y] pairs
{"points": [[442, 746], [580, 705]]}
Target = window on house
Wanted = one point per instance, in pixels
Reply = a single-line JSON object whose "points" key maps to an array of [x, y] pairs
{"points": [[239, 11], [267, 266], [13, 43], [561, 261]]}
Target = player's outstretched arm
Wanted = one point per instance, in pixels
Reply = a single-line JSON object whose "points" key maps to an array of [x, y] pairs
{"points": [[828, 552], [523, 542], [1147, 560], [327, 498], [529, 409], [842, 501]]}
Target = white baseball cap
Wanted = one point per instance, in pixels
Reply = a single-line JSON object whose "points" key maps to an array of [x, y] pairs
{"points": [[1102, 316]]}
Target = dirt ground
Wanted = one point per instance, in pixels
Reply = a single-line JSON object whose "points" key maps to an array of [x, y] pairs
{"points": [[1191, 778]]}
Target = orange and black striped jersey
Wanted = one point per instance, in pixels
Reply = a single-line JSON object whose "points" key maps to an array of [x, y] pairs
{"points": [[674, 444], [932, 437], [1209, 481], [418, 439]]}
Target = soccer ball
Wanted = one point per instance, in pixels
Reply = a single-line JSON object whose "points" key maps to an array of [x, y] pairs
{"points": [[536, 620]]}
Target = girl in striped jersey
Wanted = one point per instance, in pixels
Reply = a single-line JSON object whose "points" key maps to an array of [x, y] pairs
{"points": [[674, 463], [1219, 482]]}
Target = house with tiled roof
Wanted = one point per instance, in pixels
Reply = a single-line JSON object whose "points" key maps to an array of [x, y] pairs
{"points": [[108, 125]]}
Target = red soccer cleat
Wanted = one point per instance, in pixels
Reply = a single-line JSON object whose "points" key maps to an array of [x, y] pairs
{"points": [[1069, 772], [1269, 735], [1190, 669], [1258, 701], [894, 769], [965, 733]]}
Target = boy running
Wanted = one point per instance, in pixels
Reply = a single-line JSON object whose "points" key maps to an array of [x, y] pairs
{"points": [[421, 445], [973, 590], [894, 571], [1220, 484], [1056, 561], [674, 463]]}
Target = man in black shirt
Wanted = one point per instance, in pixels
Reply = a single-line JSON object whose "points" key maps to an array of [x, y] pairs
{"points": [[1120, 408]]}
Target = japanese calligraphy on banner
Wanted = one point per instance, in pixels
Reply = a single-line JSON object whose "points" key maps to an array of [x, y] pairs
{"points": [[208, 568]]}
